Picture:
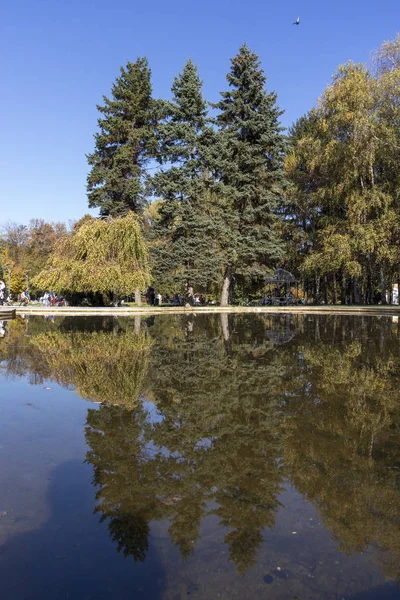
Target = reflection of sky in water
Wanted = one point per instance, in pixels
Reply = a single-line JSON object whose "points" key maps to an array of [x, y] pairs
{"points": [[53, 546]]}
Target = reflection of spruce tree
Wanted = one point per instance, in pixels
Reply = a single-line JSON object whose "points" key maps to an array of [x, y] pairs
{"points": [[220, 428], [343, 450], [122, 469], [215, 449]]}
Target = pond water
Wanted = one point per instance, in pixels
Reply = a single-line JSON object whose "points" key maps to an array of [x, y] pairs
{"points": [[200, 457]]}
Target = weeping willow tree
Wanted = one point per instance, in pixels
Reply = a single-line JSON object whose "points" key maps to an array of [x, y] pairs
{"points": [[104, 256]]}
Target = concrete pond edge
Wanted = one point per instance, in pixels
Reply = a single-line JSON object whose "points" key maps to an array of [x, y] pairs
{"points": [[197, 310]]}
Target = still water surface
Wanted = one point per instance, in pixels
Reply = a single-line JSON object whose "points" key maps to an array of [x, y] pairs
{"points": [[200, 457]]}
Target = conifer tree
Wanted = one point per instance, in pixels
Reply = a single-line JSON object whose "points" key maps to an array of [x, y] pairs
{"points": [[249, 161], [125, 143], [183, 255]]}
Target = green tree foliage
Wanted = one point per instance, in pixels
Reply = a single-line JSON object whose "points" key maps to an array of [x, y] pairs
{"points": [[105, 256], [41, 239], [116, 182], [26, 249], [249, 163], [342, 217], [183, 251]]}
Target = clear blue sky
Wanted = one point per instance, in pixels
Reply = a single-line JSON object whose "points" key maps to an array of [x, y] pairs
{"points": [[60, 56]]}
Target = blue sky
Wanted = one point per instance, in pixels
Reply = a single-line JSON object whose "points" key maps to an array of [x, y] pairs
{"points": [[60, 57]]}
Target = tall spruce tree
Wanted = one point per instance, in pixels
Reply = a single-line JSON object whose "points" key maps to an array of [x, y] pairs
{"points": [[249, 162], [183, 256], [125, 143]]}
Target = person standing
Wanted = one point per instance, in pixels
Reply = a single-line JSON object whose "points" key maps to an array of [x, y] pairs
{"points": [[23, 299], [150, 296], [159, 299]]}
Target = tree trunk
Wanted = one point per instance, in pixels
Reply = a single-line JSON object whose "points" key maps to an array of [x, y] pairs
{"points": [[383, 286], [326, 289], [369, 287], [189, 296], [390, 290], [334, 289], [317, 284], [138, 297], [356, 292], [343, 289], [225, 286]]}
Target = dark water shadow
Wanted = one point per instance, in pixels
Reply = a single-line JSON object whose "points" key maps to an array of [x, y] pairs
{"points": [[386, 591], [71, 555]]}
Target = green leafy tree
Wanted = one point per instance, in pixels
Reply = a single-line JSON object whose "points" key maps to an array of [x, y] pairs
{"points": [[342, 217], [124, 145], [104, 256], [26, 248]]}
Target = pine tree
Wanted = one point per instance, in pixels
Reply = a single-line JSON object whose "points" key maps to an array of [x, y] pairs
{"points": [[183, 256], [249, 161], [124, 144]]}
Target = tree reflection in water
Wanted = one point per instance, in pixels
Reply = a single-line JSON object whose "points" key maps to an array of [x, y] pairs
{"points": [[242, 405]]}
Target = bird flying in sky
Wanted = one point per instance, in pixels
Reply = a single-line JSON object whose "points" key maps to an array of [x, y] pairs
{"points": [[297, 21]]}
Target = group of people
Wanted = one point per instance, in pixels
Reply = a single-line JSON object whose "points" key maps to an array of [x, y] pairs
{"points": [[7, 300], [50, 299], [24, 298], [152, 298]]}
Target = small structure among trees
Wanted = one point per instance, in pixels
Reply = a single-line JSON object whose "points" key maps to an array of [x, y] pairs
{"points": [[280, 285]]}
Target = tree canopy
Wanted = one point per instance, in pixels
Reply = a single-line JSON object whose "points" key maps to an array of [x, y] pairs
{"points": [[342, 219], [124, 144], [107, 256]]}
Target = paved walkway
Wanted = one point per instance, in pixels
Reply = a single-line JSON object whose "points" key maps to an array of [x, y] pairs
{"points": [[176, 310]]}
